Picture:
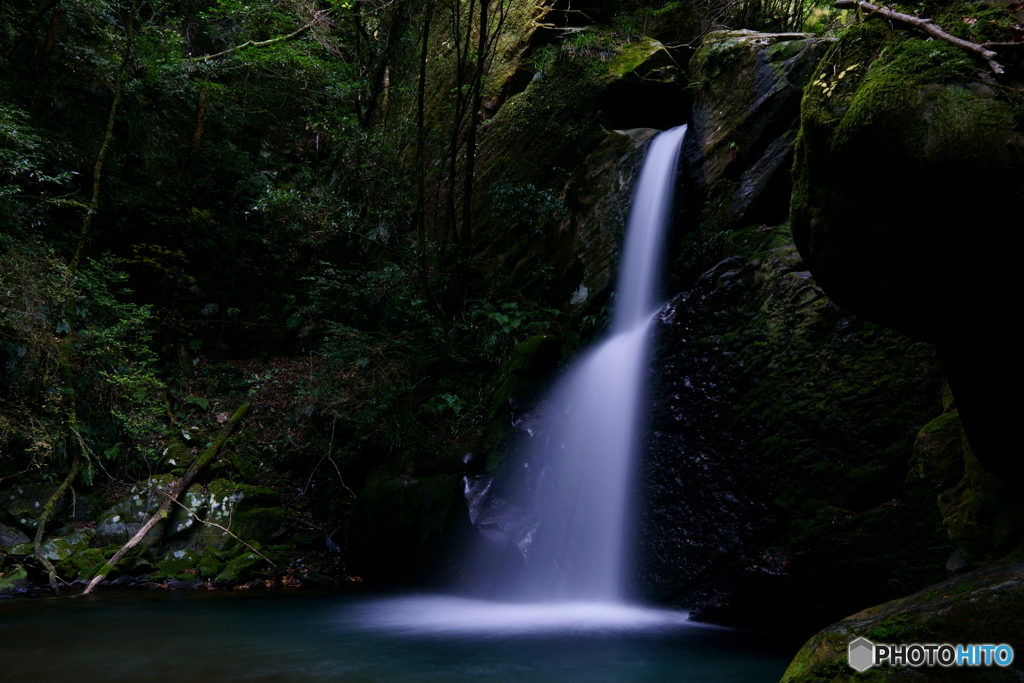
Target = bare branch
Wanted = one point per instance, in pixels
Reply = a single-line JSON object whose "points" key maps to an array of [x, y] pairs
{"points": [[222, 528], [929, 27], [252, 43]]}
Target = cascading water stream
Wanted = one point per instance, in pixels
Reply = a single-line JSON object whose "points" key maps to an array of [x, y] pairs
{"points": [[581, 493], [562, 555]]}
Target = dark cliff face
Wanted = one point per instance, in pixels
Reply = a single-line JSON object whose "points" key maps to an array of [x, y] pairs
{"points": [[774, 483], [908, 180]]}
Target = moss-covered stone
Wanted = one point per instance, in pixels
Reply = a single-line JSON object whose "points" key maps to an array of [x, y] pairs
{"points": [[23, 504], [545, 131], [175, 564], [13, 580], [68, 542], [185, 516], [983, 514], [228, 502], [584, 250], [240, 568], [126, 516], [748, 93], [984, 606], [84, 564], [938, 452], [211, 563], [738, 149], [260, 524]]}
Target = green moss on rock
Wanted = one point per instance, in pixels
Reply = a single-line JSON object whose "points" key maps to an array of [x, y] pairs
{"points": [[13, 580], [983, 606]]}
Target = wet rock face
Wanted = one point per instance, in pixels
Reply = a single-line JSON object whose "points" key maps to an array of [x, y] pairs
{"points": [[774, 483], [908, 177], [750, 85], [585, 248]]}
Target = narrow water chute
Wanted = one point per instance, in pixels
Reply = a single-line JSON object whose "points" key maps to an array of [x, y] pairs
{"points": [[579, 491]]}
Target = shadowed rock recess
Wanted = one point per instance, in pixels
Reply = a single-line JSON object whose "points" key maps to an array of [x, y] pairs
{"points": [[907, 181]]}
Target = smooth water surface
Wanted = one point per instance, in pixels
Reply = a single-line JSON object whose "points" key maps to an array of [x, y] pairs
{"points": [[298, 638]]}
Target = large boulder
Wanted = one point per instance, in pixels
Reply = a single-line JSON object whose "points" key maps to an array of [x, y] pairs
{"points": [[25, 503], [223, 511], [908, 180], [984, 606]]}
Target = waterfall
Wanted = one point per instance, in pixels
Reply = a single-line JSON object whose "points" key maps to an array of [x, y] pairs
{"points": [[578, 471], [555, 532]]}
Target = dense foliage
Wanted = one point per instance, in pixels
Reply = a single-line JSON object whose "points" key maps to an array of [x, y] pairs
{"points": [[206, 202]]}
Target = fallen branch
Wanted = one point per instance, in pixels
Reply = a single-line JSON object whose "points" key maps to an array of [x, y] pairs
{"points": [[1003, 47], [929, 27], [248, 43], [178, 489]]}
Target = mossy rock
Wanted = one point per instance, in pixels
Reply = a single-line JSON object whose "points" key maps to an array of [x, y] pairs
{"points": [[520, 378], [228, 503], [786, 499], [24, 503], [547, 129], [128, 514], [68, 542], [186, 516], [983, 606], [748, 86], [983, 514], [211, 563], [240, 568], [246, 497], [177, 562], [13, 580], [938, 452], [260, 524], [583, 250], [84, 564]]}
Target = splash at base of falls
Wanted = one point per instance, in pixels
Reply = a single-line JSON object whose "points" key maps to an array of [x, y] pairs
{"points": [[442, 615]]}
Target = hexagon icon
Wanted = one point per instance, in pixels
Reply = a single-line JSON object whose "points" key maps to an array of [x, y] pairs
{"points": [[862, 654]]}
